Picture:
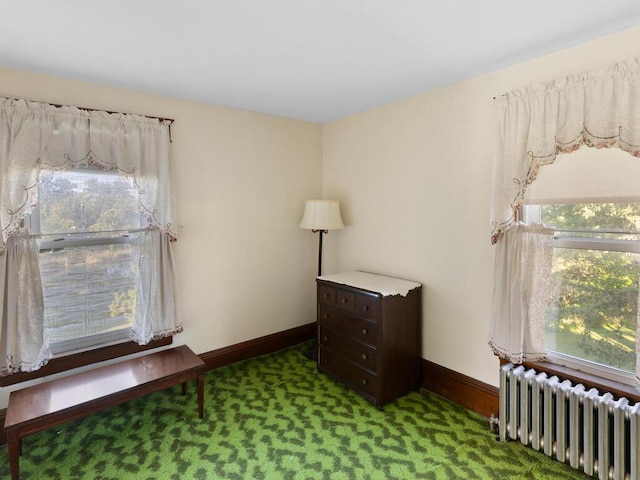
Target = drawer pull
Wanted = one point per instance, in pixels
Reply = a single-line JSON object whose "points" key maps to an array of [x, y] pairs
{"points": [[364, 381], [324, 338], [364, 331], [365, 308], [364, 356], [344, 300], [326, 316]]}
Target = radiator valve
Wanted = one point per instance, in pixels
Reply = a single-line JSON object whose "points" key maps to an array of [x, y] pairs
{"points": [[493, 423]]}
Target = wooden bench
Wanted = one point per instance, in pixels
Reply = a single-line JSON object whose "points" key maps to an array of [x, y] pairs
{"points": [[49, 404]]}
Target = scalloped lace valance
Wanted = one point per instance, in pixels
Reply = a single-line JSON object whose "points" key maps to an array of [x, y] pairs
{"points": [[598, 109], [40, 136]]}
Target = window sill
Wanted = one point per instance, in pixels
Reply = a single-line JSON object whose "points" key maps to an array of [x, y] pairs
{"points": [[75, 360], [617, 389]]}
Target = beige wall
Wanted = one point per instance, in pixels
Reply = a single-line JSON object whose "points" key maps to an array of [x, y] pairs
{"points": [[245, 268], [414, 179]]}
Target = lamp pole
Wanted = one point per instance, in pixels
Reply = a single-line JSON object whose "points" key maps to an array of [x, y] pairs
{"points": [[320, 232]]}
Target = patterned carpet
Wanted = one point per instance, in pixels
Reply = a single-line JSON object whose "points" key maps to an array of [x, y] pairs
{"points": [[275, 417]]}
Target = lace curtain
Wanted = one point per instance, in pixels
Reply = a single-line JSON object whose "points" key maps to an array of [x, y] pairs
{"points": [[521, 291], [598, 109], [34, 136]]}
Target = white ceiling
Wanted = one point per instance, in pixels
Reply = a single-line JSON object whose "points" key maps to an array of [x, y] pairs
{"points": [[314, 60]]}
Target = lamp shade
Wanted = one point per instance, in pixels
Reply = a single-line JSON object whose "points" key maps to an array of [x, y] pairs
{"points": [[321, 215]]}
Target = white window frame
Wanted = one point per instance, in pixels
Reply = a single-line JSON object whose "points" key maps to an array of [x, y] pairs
{"points": [[62, 240], [532, 214]]}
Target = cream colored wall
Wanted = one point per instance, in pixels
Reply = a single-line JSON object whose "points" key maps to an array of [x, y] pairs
{"points": [[245, 268], [414, 180]]}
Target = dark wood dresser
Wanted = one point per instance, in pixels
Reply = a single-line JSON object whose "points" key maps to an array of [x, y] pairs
{"points": [[369, 333]]}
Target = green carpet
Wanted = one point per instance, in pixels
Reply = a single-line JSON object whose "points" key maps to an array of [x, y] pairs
{"points": [[276, 417]]}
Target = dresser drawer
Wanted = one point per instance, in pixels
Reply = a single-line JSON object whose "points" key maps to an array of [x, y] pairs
{"points": [[345, 300], [360, 304], [349, 325], [366, 306], [345, 371], [326, 294], [348, 348]]}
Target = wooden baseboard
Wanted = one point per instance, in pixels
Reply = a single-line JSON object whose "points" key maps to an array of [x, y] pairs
{"points": [[258, 346], [477, 396], [469, 392], [456, 387]]}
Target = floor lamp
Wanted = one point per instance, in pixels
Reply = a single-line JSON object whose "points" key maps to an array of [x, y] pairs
{"points": [[320, 216]]}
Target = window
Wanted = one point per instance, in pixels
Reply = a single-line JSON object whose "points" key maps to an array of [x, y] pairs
{"points": [[592, 317], [595, 112], [90, 275], [87, 261]]}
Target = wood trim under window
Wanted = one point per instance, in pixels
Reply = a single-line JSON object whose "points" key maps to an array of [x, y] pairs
{"points": [[69, 362]]}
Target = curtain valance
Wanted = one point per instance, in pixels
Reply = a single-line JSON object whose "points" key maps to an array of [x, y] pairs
{"points": [[37, 135], [598, 109]]}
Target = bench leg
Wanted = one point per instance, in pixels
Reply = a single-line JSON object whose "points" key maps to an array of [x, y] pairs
{"points": [[14, 447], [201, 394], [184, 388]]}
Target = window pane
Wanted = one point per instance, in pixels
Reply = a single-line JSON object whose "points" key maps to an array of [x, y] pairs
{"points": [[88, 290], [85, 201], [595, 308], [89, 280], [605, 218]]}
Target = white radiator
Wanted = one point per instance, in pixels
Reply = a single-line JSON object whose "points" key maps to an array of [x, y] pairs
{"points": [[589, 431]]}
